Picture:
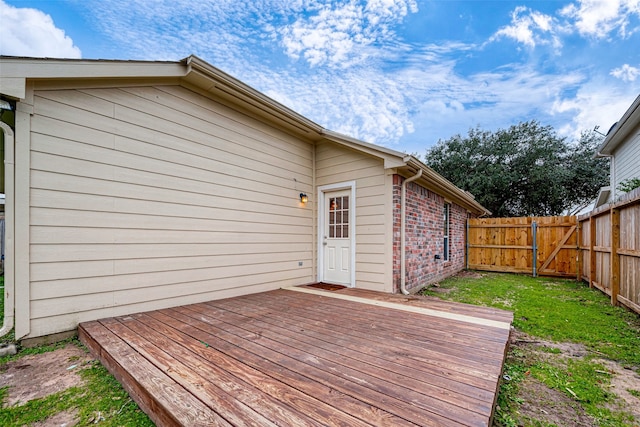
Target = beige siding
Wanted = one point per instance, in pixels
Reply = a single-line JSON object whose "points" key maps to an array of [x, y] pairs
{"points": [[149, 197], [335, 164]]}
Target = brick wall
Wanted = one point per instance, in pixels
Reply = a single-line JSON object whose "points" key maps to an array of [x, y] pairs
{"points": [[425, 236]]}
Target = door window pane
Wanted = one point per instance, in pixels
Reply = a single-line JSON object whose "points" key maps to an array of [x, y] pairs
{"points": [[339, 217]]}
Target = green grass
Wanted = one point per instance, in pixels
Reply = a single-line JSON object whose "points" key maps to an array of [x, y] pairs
{"points": [[100, 400], [559, 311]]}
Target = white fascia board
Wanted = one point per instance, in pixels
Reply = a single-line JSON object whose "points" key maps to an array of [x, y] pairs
{"points": [[630, 119], [47, 68], [13, 87]]}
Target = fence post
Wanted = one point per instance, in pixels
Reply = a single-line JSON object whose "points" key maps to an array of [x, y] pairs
{"points": [[615, 258], [592, 252], [466, 247], [579, 251], [534, 232]]}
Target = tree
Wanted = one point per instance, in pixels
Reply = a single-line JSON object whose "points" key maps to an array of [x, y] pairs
{"points": [[521, 171]]}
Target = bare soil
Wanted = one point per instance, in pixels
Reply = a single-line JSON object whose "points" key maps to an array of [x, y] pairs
{"points": [[542, 403], [550, 406], [36, 376]]}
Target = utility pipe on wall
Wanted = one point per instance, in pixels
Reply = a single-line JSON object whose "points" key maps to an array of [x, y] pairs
{"points": [[403, 223], [9, 283]]}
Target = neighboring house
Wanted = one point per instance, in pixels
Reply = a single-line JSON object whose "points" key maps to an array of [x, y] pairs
{"points": [[133, 186], [622, 146]]}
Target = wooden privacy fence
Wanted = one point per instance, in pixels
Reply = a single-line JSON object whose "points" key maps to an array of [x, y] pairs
{"points": [[610, 250], [534, 245]]}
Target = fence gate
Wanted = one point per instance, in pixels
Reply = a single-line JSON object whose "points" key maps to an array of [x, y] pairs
{"points": [[545, 246]]}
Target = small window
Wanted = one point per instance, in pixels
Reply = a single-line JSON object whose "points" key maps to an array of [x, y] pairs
{"points": [[339, 217], [445, 251]]}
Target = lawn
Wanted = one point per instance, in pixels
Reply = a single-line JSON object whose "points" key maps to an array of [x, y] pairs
{"points": [[569, 348]]}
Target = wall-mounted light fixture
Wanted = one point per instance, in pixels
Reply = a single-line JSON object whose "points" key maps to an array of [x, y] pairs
{"points": [[303, 198]]}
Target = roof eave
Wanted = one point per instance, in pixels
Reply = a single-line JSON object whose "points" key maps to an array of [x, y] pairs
{"points": [[214, 80], [392, 159], [446, 188], [627, 123], [15, 71]]}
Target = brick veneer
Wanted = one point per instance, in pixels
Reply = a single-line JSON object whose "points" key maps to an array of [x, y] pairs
{"points": [[424, 236]]}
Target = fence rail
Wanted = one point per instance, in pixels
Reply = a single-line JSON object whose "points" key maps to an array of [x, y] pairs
{"points": [[609, 246], [534, 245], [601, 248]]}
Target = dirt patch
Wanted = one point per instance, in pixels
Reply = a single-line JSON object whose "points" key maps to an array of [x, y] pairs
{"points": [[36, 376], [469, 274], [567, 349], [550, 406], [61, 419], [539, 402], [623, 380], [436, 289]]}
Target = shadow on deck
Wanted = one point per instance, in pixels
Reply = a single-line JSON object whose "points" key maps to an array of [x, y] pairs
{"points": [[309, 357]]}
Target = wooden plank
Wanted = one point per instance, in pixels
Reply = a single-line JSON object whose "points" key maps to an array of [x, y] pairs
{"points": [[321, 370], [430, 344], [615, 258], [294, 358], [629, 252], [311, 329], [484, 267], [438, 335], [275, 364], [502, 246], [318, 354], [166, 404], [555, 252], [283, 403], [235, 399], [630, 304], [402, 307], [430, 409], [592, 252], [505, 245], [433, 302]]}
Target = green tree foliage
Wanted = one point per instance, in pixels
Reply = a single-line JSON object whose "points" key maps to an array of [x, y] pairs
{"points": [[524, 170], [629, 184]]}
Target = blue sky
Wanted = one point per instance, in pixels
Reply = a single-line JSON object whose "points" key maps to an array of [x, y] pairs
{"points": [[399, 73]]}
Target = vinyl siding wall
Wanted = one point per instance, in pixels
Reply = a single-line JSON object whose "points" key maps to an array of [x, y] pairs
{"points": [[149, 197], [335, 164], [627, 160]]}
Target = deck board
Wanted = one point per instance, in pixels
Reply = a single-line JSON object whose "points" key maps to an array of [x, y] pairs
{"points": [[292, 358]]}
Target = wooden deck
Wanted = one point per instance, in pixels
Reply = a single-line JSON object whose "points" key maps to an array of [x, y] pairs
{"points": [[309, 357]]}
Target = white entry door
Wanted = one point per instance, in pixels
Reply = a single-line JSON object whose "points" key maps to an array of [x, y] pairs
{"points": [[337, 237]]}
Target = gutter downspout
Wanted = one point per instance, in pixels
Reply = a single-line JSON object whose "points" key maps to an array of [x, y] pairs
{"points": [[403, 223], [9, 284]]}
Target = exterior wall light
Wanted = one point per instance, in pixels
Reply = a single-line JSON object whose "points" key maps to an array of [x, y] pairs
{"points": [[303, 198]]}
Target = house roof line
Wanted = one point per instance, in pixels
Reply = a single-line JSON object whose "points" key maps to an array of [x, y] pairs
{"points": [[229, 85], [195, 71], [434, 180], [430, 178], [627, 123]]}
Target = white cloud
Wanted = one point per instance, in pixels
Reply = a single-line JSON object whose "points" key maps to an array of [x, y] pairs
{"points": [[626, 73], [336, 35], [598, 18], [530, 28], [594, 104], [30, 32], [356, 75]]}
